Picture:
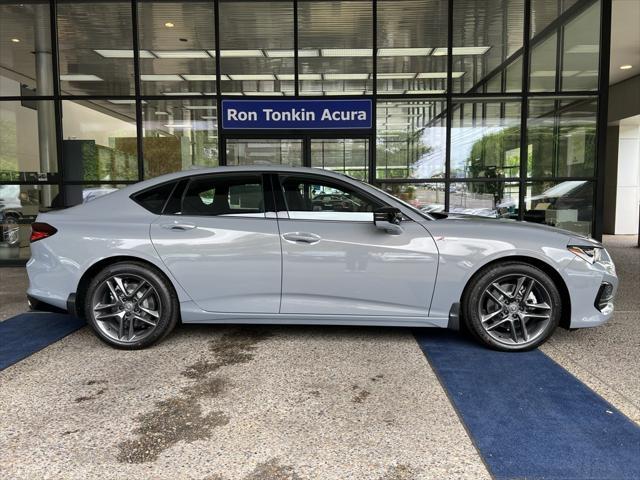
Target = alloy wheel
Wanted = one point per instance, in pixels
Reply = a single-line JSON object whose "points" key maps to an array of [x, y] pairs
{"points": [[126, 308], [515, 309]]}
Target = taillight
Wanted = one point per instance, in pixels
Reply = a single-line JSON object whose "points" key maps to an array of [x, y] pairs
{"points": [[41, 230]]}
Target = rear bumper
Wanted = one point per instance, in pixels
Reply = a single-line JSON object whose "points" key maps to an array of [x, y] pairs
{"points": [[38, 305]]}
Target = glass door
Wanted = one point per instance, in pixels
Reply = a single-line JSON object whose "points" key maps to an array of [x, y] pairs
{"points": [[261, 151], [345, 155]]}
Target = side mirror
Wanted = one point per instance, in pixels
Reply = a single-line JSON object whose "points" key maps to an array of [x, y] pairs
{"points": [[388, 219]]}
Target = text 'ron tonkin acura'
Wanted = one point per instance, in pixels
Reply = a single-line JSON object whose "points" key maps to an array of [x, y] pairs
{"points": [[295, 245]]}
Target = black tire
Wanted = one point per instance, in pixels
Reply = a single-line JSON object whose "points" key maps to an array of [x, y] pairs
{"points": [[473, 296], [166, 297]]}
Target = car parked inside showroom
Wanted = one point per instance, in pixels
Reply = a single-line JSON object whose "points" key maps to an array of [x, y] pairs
{"points": [[10, 214], [250, 245]]}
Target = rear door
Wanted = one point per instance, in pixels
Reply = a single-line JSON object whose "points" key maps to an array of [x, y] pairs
{"points": [[218, 242]]}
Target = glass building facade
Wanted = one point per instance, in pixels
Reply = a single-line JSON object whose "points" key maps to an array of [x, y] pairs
{"points": [[489, 107]]}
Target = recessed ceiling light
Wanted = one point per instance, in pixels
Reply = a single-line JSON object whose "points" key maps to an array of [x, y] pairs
{"points": [[252, 77], [161, 78], [279, 53], [123, 53], [346, 76], [439, 74], [308, 52], [439, 52], [161, 113], [241, 53], [404, 52], [199, 78], [200, 107], [263, 94], [301, 76], [80, 78], [15, 40], [181, 54], [169, 25], [626, 67], [345, 92], [347, 52], [425, 92], [396, 76], [182, 94]]}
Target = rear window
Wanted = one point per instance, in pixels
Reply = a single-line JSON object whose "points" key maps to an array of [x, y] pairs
{"points": [[154, 198]]}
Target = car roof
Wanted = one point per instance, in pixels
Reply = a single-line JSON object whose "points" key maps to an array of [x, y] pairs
{"points": [[240, 169], [135, 188]]}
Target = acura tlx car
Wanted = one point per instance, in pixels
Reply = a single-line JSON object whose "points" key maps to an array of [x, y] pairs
{"points": [[250, 245]]}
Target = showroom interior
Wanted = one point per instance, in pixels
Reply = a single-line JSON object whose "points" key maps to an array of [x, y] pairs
{"points": [[463, 91]]}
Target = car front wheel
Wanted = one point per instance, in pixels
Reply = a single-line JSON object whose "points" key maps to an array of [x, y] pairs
{"points": [[131, 306], [512, 306]]}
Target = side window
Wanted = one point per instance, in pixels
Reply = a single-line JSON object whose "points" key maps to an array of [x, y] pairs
{"points": [[310, 198], [154, 198], [224, 195]]}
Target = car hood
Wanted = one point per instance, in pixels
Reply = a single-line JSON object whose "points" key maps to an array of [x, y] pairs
{"points": [[521, 226]]}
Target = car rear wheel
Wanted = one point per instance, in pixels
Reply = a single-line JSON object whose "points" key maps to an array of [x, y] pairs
{"points": [[131, 306], [512, 306]]}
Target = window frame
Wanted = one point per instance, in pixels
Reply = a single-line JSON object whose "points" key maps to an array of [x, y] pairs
{"points": [[134, 196], [257, 175], [282, 203]]}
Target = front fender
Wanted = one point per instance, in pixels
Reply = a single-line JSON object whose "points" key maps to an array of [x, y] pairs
{"points": [[462, 254]]}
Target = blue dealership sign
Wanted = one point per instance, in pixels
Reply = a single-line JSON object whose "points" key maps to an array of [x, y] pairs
{"points": [[296, 114]]}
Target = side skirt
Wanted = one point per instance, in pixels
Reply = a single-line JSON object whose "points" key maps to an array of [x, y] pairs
{"points": [[192, 314]]}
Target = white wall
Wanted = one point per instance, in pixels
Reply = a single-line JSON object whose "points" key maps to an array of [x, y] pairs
{"points": [[25, 140], [628, 177], [84, 123]]}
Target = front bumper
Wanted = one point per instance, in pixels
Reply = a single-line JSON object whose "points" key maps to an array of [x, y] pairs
{"points": [[585, 283]]}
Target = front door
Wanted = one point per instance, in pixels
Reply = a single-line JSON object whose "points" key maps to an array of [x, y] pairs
{"points": [[336, 262]]}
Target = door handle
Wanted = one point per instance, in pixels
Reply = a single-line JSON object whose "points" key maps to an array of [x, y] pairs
{"points": [[179, 227], [301, 237]]}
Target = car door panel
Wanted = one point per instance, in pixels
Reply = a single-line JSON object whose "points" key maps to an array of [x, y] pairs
{"points": [[226, 263], [356, 269], [337, 262], [219, 244]]}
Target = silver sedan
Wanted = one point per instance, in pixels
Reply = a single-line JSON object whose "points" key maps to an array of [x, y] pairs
{"points": [[306, 246]]}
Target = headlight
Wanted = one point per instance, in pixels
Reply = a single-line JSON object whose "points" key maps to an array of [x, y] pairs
{"points": [[589, 254]]}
